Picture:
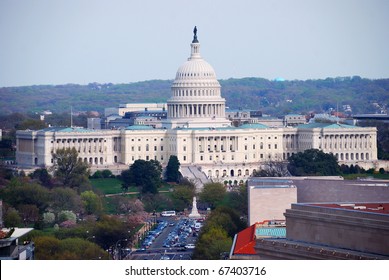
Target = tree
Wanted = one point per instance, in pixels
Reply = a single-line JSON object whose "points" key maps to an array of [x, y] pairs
{"points": [[313, 162], [212, 244], [66, 215], [144, 174], [213, 193], [12, 218], [29, 213], [182, 197], [21, 191], [65, 199], [43, 177], [108, 230], [237, 199], [172, 169], [51, 248], [106, 173], [92, 203], [272, 169], [48, 218], [71, 171]]}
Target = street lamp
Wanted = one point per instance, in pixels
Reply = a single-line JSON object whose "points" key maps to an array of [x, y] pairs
{"points": [[116, 252]]}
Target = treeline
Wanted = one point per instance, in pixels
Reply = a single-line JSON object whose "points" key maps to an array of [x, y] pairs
{"points": [[271, 97]]}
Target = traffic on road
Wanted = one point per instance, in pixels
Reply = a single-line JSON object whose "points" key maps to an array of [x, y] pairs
{"points": [[173, 238]]}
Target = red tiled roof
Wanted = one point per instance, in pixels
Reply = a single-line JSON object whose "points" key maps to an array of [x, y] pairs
{"points": [[245, 241]]}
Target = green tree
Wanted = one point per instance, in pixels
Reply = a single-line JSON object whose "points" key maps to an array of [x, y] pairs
{"points": [[182, 197], [12, 218], [92, 203], [313, 162], [213, 194], [67, 215], [237, 199], [65, 199], [43, 177], [106, 173], [172, 169], [51, 248], [21, 191], [144, 174], [29, 213], [108, 230], [71, 171], [212, 244]]}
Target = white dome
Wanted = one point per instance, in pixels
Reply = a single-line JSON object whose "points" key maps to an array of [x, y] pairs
{"points": [[195, 69]]}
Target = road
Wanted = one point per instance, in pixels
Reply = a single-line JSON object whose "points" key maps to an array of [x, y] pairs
{"points": [[156, 250]]}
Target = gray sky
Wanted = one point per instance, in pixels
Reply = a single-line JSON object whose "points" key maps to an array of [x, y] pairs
{"points": [[121, 41]]}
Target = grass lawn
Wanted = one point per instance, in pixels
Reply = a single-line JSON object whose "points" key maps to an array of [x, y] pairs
{"points": [[109, 186]]}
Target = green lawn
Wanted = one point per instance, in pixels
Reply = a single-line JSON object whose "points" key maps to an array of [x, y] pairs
{"points": [[108, 185]]}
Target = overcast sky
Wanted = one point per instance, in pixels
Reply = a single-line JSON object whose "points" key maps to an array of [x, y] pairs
{"points": [[121, 41]]}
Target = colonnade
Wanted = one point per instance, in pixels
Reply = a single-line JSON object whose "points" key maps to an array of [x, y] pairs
{"points": [[196, 110]]}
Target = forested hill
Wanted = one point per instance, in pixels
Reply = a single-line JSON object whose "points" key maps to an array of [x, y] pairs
{"points": [[272, 97]]}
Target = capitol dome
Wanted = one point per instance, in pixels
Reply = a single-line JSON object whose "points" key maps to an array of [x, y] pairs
{"points": [[196, 94], [195, 69]]}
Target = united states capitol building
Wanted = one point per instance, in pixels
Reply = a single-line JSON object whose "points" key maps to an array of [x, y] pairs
{"points": [[197, 131]]}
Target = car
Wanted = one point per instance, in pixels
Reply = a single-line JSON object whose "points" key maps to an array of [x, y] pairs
{"points": [[190, 246], [164, 257], [141, 249]]}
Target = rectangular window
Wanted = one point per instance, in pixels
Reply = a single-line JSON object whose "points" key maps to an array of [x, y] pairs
{"points": [[269, 146], [161, 148], [275, 146]]}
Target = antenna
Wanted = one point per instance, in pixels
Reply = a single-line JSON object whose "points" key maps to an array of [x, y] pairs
{"points": [[71, 116], [337, 112]]}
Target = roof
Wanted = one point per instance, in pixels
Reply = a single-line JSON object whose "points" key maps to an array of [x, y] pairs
{"points": [[253, 126], [245, 241], [326, 125], [376, 207], [18, 232], [67, 129], [274, 232], [139, 127]]}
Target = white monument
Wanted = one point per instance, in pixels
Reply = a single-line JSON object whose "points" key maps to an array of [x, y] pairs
{"points": [[194, 214]]}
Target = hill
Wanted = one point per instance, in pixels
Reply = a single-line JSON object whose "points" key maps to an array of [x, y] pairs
{"points": [[271, 97]]}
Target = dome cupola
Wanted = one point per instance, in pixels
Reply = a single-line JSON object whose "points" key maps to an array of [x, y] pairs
{"points": [[196, 99]]}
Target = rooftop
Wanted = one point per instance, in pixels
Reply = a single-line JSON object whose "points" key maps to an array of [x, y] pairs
{"points": [[327, 125], [377, 207]]}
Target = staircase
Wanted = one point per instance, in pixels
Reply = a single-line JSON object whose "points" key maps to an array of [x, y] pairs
{"points": [[194, 174]]}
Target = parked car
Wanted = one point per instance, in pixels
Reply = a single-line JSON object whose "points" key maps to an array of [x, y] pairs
{"points": [[190, 246]]}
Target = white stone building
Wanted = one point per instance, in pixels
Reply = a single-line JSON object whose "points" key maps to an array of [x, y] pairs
{"points": [[199, 134]]}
